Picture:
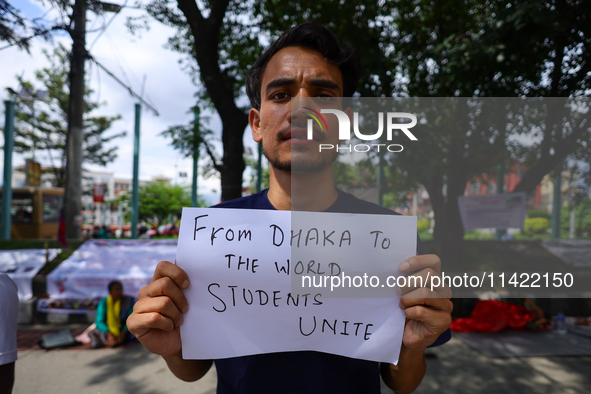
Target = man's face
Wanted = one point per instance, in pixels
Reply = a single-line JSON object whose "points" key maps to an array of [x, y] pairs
{"points": [[295, 72], [116, 292]]}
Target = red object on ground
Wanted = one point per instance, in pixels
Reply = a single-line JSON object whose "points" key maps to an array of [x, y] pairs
{"points": [[492, 316]]}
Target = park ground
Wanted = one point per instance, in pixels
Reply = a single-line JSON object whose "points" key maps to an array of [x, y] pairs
{"points": [[452, 368]]}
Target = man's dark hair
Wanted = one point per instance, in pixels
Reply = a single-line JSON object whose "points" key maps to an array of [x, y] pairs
{"points": [[113, 284], [313, 36]]}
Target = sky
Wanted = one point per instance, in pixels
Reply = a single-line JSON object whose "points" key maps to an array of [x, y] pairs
{"points": [[130, 58]]}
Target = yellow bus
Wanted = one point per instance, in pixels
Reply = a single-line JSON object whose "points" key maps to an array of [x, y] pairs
{"points": [[35, 212]]}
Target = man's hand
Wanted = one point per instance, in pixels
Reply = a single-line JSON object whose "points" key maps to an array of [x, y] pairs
{"points": [[157, 316], [428, 312], [111, 341], [121, 337]]}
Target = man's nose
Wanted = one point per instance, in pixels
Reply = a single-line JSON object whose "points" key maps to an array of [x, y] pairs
{"points": [[303, 93]]}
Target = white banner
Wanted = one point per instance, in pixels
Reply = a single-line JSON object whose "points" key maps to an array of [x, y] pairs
{"points": [[88, 271], [23, 264], [241, 298], [499, 211]]}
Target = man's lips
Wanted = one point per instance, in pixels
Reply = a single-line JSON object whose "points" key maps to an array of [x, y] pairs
{"points": [[300, 133]]}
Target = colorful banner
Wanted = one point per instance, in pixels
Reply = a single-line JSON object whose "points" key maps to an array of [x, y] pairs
{"points": [[23, 264], [88, 271]]}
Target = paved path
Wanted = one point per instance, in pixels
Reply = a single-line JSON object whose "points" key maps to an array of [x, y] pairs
{"points": [[457, 369], [576, 252], [131, 370]]}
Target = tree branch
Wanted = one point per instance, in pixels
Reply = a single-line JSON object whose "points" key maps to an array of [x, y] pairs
{"points": [[212, 156]]}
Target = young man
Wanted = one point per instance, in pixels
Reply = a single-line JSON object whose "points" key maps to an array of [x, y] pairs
{"points": [[306, 61]]}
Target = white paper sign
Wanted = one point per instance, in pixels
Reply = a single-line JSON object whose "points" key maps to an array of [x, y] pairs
{"points": [[499, 211], [241, 300]]}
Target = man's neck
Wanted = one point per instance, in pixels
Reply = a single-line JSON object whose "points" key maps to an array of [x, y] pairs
{"points": [[302, 191]]}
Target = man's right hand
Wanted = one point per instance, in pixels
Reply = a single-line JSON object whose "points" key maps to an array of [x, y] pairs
{"points": [[158, 314]]}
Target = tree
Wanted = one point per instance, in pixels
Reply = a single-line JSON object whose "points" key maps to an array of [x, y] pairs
{"points": [[11, 21], [159, 200], [211, 33], [451, 49], [16, 29], [43, 126], [188, 140]]}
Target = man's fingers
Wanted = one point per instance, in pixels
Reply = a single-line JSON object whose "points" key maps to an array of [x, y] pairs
{"points": [[427, 278], [436, 320], [172, 271], [140, 324], [165, 287], [423, 297], [160, 305], [420, 262]]}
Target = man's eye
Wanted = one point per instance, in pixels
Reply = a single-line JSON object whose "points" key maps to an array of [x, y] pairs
{"points": [[279, 96]]}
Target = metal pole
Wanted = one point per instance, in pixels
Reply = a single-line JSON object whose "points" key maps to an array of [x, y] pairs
{"points": [[195, 159], [381, 180], [120, 219], [260, 167], [571, 233], [7, 182], [194, 184], [135, 193], [500, 190], [556, 205]]}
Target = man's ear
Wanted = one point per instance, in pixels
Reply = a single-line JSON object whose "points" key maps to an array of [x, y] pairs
{"points": [[254, 119]]}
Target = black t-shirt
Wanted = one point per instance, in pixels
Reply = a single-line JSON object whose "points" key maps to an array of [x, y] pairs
{"points": [[303, 372]]}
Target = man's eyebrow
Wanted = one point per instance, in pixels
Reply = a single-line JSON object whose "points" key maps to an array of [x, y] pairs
{"points": [[279, 82], [325, 83], [317, 82]]}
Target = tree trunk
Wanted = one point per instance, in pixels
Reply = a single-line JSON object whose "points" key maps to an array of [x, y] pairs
{"points": [[73, 181], [206, 34], [233, 160]]}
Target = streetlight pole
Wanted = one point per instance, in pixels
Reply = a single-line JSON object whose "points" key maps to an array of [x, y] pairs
{"points": [[7, 181], [135, 193], [195, 157]]}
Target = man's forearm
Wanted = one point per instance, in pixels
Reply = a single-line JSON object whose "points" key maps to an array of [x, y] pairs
{"points": [[408, 374], [187, 370]]}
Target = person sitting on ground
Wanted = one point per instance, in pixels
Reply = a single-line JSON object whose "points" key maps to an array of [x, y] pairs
{"points": [[111, 318]]}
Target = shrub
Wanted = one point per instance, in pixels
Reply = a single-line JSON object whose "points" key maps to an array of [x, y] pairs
{"points": [[539, 213], [536, 226], [423, 225]]}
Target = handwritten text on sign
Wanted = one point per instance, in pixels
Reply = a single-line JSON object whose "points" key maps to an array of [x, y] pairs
{"points": [[241, 264]]}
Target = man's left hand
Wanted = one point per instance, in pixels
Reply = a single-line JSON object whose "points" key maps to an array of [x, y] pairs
{"points": [[428, 310]]}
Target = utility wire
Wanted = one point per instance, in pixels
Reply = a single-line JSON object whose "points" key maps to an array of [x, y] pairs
{"points": [[131, 92], [106, 26]]}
